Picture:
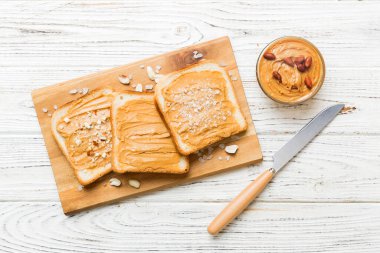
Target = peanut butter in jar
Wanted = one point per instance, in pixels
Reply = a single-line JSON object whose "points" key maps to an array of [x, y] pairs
{"points": [[290, 70]]}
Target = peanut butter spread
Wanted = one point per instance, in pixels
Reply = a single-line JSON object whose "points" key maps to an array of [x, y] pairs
{"points": [[86, 129], [289, 69], [198, 109], [144, 141]]}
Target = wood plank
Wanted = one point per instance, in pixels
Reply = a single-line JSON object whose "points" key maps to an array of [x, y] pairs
{"points": [[100, 192], [333, 168], [175, 227]]}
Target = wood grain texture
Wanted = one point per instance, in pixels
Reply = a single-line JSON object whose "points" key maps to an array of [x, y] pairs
{"points": [[131, 227], [45, 42]]}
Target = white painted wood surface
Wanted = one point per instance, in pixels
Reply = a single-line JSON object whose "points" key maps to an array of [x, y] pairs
{"points": [[326, 200]]}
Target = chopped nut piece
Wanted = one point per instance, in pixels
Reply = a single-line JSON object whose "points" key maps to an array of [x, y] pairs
{"points": [[347, 109], [85, 91], [134, 183], [73, 91], [124, 79], [55, 107], [44, 110], [269, 56], [151, 73], [115, 182], [104, 155], [197, 55], [66, 119], [231, 149], [220, 158], [277, 76], [87, 125], [78, 141], [228, 158], [139, 87]]}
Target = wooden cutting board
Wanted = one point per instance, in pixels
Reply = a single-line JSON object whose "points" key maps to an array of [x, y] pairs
{"points": [[73, 198]]}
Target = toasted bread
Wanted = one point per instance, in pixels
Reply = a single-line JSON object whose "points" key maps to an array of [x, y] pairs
{"points": [[82, 130], [141, 141], [199, 106]]}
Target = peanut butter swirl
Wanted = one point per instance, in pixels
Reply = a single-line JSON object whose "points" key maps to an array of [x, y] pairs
{"points": [[283, 81], [198, 109], [144, 141]]}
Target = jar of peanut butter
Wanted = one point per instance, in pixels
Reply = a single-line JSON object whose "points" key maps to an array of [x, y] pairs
{"points": [[290, 70]]}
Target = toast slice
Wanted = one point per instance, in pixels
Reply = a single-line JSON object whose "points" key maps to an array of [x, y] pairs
{"points": [[199, 106], [141, 141], [82, 130]]}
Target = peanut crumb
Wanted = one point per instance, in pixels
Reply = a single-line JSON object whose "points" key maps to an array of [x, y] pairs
{"points": [[134, 183], [347, 109], [73, 91]]}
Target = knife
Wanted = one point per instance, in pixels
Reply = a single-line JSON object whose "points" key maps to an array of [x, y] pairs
{"points": [[280, 159]]}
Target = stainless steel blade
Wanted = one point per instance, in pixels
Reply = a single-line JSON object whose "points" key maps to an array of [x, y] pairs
{"points": [[304, 136]]}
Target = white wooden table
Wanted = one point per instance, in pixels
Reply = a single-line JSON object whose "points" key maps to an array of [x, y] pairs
{"points": [[326, 200]]}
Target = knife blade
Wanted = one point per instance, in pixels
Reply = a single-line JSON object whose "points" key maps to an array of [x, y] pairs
{"points": [[280, 158], [304, 136]]}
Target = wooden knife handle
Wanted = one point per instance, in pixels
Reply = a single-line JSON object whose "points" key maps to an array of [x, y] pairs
{"points": [[240, 202]]}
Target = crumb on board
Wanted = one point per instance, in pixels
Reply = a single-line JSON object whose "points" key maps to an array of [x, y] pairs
{"points": [[134, 183], [231, 149], [115, 182]]}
